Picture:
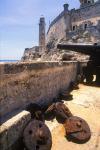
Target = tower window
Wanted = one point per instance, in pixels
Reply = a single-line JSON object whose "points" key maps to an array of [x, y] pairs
{"points": [[85, 26], [74, 28], [89, 2]]}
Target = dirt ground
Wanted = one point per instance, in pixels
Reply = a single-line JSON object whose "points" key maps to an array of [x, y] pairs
{"points": [[85, 104]]}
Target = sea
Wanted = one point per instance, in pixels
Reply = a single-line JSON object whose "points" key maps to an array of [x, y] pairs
{"points": [[7, 61]]}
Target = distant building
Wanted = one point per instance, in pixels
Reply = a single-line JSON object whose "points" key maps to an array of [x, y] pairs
{"points": [[70, 23]]}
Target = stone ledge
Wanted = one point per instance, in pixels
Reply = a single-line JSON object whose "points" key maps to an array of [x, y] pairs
{"points": [[13, 68], [12, 130]]}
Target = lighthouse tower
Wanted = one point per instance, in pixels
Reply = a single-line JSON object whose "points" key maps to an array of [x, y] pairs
{"points": [[42, 35]]}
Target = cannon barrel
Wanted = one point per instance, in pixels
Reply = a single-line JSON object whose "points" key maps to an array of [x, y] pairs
{"points": [[85, 49], [93, 65]]}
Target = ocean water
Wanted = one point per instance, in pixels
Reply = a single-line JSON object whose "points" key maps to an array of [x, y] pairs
{"points": [[6, 61]]}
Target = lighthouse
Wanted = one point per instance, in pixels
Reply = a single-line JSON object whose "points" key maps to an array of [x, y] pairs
{"points": [[42, 35]]}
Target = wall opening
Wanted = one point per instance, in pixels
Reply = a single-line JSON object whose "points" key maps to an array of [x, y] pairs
{"points": [[88, 1], [85, 26], [74, 28]]}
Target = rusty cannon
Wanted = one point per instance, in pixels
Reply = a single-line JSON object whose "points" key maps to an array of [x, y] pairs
{"points": [[77, 130], [93, 64], [37, 136]]}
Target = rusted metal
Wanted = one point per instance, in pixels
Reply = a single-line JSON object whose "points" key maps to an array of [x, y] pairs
{"points": [[39, 116], [37, 136], [66, 95], [85, 49], [73, 86], [50, 112], [62, 112], [93, 64], [58, 110], [77, 130], [36, 112]]}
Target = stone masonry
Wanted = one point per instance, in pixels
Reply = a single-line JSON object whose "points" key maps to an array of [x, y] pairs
{"points": [[81, 25], [70, 26], [42, 34], [24, 83]]}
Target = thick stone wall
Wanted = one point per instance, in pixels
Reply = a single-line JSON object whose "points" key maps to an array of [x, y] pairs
{"points": [[23, 83], [89, 15], [57, 30]]}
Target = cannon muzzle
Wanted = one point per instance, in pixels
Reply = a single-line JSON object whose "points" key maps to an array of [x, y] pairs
{"points": [[85, 49]]}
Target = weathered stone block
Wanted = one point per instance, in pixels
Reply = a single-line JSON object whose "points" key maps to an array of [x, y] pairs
{"points": [[12, 130]]}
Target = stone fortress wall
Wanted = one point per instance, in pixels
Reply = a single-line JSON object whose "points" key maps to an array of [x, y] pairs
{"points": [[39, 82], [57, 28], [24, 83], [72, 20], [89, 15], [70, 26]]}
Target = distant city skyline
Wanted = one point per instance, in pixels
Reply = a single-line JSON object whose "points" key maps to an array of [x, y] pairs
{"points": [[19, 21]]}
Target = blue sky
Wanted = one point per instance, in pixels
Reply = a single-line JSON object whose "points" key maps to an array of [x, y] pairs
{"points": [[19, 23]]}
